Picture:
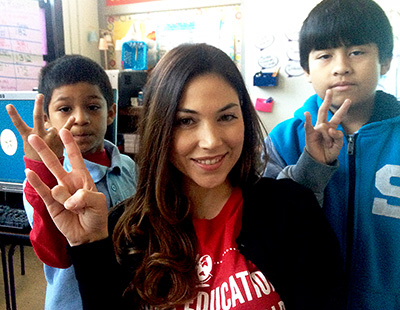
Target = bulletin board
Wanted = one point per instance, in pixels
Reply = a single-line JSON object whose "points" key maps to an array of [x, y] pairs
{"points": [[21, 47], [219, 26]]}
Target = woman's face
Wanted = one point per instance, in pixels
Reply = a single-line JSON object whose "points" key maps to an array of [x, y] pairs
{"points": [[208, 133]]}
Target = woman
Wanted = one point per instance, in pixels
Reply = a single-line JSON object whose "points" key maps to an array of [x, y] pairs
{"points": [[203, 231]]}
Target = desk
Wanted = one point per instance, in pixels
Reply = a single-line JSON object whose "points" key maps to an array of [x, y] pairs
{"points": [[13, 239]]}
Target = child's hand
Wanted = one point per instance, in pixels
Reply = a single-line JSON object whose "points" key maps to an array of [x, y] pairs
{"points": [[50, 136], [77, 209], [324, 141]]}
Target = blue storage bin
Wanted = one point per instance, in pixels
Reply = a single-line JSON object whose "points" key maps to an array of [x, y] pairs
{"points": [[134, 55], [265, 79]]}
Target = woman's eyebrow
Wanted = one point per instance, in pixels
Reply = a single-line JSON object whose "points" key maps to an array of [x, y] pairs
{"points": [[227, 107]]}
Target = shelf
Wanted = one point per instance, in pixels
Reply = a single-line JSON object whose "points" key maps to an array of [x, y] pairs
{"points": [[11, 187], [132, 111]]}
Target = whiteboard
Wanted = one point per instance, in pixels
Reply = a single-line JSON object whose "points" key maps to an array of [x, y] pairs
{"points": [[21, 47]]}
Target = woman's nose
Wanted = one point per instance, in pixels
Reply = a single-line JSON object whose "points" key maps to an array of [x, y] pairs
{"points": [[209, 136]]}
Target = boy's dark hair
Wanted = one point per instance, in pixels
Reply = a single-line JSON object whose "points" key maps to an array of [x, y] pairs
{"points": [[334, 23], [72, 69]]}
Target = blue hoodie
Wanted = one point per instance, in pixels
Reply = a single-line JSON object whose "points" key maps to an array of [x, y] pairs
{"points": [[361, 199]]}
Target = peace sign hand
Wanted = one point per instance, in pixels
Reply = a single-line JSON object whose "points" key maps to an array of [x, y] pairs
{"points": [[324, 141], [77, 209], [50, 136]]}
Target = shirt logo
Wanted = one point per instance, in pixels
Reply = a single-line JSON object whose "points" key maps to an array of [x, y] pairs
{"points": [[204, 268], [384, 185]]}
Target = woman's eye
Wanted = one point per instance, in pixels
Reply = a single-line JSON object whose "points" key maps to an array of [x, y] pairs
{"points": [[228, 117], [185, 121]]}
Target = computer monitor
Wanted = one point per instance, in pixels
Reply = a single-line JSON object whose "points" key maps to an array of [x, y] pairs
{"points": [[12, 164]]}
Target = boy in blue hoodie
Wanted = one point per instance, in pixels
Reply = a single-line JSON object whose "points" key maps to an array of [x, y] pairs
{"points": [[345, 46], [75, 93]]}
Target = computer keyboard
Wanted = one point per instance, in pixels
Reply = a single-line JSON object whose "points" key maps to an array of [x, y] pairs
{"points": [[13, 218]]}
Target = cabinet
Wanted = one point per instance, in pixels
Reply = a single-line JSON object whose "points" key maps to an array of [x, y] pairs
{"points": [[127, 86], [130, 87], [128, 122]]}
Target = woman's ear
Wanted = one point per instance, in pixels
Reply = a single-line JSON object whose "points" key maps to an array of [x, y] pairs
{"points": [[112, 111], [385, 65]]}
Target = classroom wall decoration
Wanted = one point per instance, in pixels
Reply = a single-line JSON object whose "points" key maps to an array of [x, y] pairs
{"points": [[21, 48], [218, 26]]}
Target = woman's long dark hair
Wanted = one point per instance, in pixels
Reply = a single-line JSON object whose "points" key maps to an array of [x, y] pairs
{"points": [[155, 237]]}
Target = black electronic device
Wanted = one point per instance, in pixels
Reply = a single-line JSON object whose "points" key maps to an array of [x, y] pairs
{"points": [[13, 218], [130, 83], [12, 166]]}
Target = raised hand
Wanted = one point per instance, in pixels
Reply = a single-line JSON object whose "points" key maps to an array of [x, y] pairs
{"points": [[324, 141], [50, 135], [77, 209]]}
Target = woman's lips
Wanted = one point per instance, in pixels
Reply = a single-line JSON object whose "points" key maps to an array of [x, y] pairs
{"points": [[211, 163]]}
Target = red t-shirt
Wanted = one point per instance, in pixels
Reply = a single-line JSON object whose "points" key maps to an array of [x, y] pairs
{"points": [[228, 279]]}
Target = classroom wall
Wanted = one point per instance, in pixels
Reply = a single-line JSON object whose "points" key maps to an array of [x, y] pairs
{"points": [[274, 26], [259, 18], [80, 18], [271, 24]]}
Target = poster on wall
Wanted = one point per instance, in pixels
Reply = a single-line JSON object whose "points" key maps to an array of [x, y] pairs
{"points": [[21, 48], [119, 2], [162, 31]]}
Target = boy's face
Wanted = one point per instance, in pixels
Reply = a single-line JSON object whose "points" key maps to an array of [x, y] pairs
{"points": [[351, 72], [85, 102]]}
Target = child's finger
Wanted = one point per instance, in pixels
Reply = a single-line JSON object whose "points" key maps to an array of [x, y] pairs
{"points": [[340, 113], [308, 126], [45, 193], [47, 155], [40, 187], [72, 149], [20, 125], [326, 137], [76, 159], [324, 108], [60, 193], [335, 134], [70, 122], [38, 114], [84, 200]]}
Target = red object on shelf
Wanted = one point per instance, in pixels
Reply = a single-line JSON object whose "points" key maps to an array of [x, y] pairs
{"points": [[264, 105]]}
